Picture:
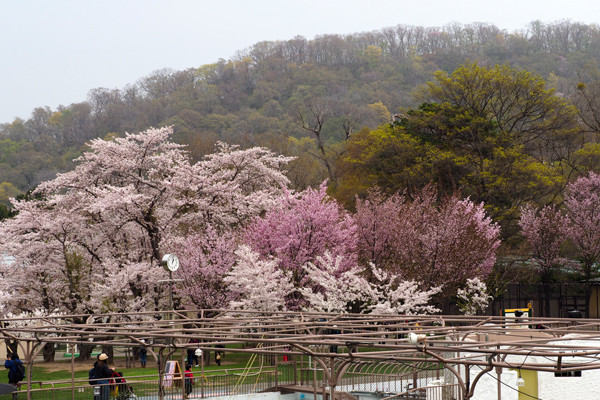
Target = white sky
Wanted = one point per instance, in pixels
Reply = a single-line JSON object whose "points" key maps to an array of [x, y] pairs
{"points": [[54, 51]]}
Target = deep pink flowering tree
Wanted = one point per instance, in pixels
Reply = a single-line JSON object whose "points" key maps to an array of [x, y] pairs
{"points": [[301, 228], [546, 230], [446, 243], [375, 217], [440, 243], [205, 260], [582, 201], [91, 240]]}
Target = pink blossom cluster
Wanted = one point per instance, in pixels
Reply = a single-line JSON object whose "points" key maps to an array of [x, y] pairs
{"points": [[548, 228], [439, 242]]}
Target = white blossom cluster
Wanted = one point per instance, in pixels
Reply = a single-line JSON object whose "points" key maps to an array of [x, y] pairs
{"points": [[474, 297], [262, 287]]}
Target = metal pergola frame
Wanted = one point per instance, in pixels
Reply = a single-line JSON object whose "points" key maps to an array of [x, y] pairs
{"points": [[451, 340]]}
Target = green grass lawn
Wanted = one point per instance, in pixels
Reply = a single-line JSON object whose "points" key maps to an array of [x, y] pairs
{"points": [[232, 362]]}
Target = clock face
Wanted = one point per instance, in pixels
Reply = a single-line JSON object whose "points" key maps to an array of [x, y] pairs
{"points": [[170, 262]]}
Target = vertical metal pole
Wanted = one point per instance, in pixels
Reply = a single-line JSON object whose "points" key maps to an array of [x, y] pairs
{"points": [[184, 357], [170, 295], [468, 381], [72, 372], [161, 371], [296, 369], [29, 368], [202, 375], [499, 372], [276, 370], [315, 384], [332, 378], [415, 378]]}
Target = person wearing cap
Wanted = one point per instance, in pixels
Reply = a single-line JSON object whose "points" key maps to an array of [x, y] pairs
{"points": [[103, 373]]}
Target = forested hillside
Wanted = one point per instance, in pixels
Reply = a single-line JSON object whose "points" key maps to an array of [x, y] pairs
{"points": [[308, 98]]}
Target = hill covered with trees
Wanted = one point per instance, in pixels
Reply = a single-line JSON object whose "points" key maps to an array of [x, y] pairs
{"points": [[297, 97]]}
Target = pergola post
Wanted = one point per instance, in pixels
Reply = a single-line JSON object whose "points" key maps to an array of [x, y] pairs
{"points": [[30, 351], [499, 379]]}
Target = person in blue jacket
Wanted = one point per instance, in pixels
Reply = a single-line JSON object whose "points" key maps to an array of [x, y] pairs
{"points": [[11, 364]]}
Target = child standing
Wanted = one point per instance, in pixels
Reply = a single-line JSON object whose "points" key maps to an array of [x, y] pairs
{"points": [[189, 380]]}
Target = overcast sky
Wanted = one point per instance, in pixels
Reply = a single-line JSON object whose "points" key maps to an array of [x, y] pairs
{"points": [[54, 51]]}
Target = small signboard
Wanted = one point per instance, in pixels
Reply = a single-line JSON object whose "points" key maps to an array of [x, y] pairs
{"points": [[517, 314], [172, 374]]}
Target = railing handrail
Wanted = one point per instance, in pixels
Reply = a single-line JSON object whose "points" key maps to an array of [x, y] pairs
{"points": [[178, 375]]}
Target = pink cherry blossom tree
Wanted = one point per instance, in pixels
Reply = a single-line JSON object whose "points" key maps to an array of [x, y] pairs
{"points": [[440, 242], [582, 201], [375, 217], [205, 260], [300, 229], [48, 273], [229, 188], [225, 192], [546, 230], [92, 239]]}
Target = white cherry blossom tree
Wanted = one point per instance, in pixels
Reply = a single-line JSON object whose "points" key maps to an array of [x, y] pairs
{"points": [[334, 288], [91, 240], [258, 284], [390, 294]]}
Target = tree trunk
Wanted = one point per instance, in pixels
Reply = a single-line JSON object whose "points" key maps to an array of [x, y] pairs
{"points": [[85, 351], [108, 350], [12, 347], [547, 294], [588, 296], [49, 352]]}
